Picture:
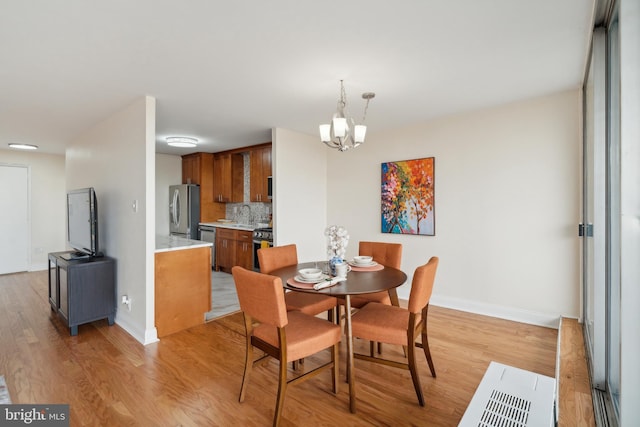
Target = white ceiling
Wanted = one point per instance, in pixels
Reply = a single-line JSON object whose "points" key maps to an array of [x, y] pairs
{"points": [[226, 72]]}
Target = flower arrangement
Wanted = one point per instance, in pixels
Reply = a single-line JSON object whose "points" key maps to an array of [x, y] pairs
{"points": [[338, 239]]}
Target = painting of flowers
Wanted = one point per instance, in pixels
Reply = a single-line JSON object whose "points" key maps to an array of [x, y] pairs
{"points": [[407, 196]]}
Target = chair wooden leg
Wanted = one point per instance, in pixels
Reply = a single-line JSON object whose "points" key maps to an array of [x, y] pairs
{"points": [[427, 353], [414, 374], [282, 389], [331, 315], [248, 364], [372, 347], [335, 351]]}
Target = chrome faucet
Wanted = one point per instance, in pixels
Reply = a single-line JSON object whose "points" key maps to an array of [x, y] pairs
{"points": [[248, 213]]}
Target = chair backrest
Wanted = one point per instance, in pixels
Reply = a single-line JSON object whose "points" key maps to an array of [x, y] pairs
{"points": [[261, 296], [389, 254], [277, 257], [422, 285]]}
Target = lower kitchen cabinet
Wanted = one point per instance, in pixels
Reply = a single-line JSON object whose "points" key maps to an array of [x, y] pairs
{"points": [[82, 290], [233, 247]]}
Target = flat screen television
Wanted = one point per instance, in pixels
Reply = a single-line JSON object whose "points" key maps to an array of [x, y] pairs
{"points": [[82, 223]]}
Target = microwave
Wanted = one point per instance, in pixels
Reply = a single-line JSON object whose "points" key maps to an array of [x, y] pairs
{"points": [[269, 187]]}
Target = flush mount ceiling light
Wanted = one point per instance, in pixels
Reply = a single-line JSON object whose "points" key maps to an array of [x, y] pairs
{"points": [[343, 133], [182, 141], [23, 146]]}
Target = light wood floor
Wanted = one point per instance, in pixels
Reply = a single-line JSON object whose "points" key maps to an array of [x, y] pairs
{"points": [[192, 378]]}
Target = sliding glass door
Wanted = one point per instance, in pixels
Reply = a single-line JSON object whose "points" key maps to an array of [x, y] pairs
{"points": [[593, 224], [613, 302]]}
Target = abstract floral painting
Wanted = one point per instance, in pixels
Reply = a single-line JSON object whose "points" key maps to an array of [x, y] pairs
{"points": [[407, 196]]}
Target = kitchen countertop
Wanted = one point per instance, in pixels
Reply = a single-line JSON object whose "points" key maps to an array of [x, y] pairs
{"points": [[174, 243], [231, 225]]}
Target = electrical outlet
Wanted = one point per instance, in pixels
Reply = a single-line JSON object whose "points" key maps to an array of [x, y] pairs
{"points": [[126, 301]]}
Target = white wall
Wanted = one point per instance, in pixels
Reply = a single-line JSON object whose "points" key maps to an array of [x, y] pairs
{"points": [[507, 187], [168, 172], [299, 193], [117, 158], [47, 204]]}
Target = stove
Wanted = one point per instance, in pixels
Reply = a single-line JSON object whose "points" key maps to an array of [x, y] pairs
{"points": [[261, 235]]}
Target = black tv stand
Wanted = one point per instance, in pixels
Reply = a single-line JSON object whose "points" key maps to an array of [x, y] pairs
{"points": [[82, 290]]}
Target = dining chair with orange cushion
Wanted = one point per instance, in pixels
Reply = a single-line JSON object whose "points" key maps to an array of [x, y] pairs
{"points": [[387, 254], [275, 257], [402, 326], [281, 334]]}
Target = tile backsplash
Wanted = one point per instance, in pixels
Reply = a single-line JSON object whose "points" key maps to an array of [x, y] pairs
{"points": [[249, 213]]}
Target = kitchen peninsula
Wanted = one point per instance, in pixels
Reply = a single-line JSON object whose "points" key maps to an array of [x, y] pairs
{"points": [[182, 283]]}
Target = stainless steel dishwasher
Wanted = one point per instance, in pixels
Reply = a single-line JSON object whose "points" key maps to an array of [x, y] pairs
{"points": [[208, 234]]}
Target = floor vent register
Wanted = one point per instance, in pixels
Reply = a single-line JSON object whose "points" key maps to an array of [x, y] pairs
{"points": [[511, 397]]}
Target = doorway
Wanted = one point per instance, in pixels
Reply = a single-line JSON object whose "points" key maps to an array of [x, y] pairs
{"points": [[14, 228]]}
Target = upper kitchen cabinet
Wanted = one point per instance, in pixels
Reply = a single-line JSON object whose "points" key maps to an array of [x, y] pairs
{"points": [[228, 170], [260, 171], [197, 168]]}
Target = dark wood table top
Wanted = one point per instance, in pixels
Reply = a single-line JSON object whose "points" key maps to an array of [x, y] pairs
{"points": [[358, 282]]}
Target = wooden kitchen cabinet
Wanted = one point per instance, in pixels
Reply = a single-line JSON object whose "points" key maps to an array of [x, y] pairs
{"points": [[260, 163], [244, 249], [225, 249], [197, 168], [222, 178], [228, 177], [233, 247]]}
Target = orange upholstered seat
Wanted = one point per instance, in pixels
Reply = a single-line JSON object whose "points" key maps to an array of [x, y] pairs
{"points": [[395, 325], [283, 335]]}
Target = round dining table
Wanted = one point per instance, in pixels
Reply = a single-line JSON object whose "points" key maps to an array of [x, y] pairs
{"points": [[359, 281]]}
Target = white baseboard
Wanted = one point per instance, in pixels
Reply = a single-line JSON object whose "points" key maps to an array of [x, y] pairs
{"points": [[39, 267], [144, 337], [508, 313]]}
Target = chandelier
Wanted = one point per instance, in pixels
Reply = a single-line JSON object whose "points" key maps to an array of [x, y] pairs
{"points": [[343, 133]]}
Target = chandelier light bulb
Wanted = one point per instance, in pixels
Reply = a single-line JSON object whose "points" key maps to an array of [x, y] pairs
{"points": [[339, 127], [359, 133], [325, 133]]}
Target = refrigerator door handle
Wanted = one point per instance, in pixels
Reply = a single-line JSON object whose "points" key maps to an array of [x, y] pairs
{"points": [[175, 208]]}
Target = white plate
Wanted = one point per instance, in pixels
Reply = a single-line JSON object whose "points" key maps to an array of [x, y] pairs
{"points": [[301, 279], [355, 264]]}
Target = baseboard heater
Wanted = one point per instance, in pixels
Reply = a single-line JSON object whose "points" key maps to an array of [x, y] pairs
{"points": [[511, 397]]}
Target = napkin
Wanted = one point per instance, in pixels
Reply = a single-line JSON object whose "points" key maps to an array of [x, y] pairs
{"points": [[328, 283]]}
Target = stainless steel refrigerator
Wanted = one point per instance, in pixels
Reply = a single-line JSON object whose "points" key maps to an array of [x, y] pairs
{"points": [[184, 210]]}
